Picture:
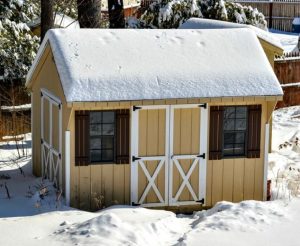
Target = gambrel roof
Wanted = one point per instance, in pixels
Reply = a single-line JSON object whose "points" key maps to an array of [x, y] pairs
{"points": [[129, 64]]}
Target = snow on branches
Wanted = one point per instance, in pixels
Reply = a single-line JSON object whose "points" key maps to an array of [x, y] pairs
{"points": [[172, 13], [18, 46]]}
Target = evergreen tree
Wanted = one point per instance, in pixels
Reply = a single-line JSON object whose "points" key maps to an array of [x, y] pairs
{"points": [[172, 13], [18, 46]]}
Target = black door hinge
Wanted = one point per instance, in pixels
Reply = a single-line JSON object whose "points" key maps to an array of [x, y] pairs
{"points": [[41, 94], [136, 108], [42, 141], [135, 158], [135, 204], [201, 156], [204, 105], [201, 201]]}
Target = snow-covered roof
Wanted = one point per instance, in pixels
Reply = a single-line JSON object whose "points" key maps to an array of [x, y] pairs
{"points": [[290, 41], [200, 23], [60, 20], [131, 64]]}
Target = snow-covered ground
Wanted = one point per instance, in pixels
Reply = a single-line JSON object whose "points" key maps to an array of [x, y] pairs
{"points": [[26, 219]]}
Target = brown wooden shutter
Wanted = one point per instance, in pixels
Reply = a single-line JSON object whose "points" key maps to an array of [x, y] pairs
{"points": [[122, 152], [254, 130], [82, 134], [216, 132]]}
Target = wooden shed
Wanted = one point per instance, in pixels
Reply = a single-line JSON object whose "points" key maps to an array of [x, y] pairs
{"points": [[157, 118]]}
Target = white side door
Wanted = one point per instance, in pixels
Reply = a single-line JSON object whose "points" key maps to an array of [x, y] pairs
{"points": [[188, 146], [149, 155], [51, 137]]}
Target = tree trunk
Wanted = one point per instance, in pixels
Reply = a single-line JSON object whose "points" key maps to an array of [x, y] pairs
{"points": [[116, 14], [89, 13], [47, 19]]}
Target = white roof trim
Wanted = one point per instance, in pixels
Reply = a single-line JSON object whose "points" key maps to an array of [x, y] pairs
{"points": [[36, 60]]}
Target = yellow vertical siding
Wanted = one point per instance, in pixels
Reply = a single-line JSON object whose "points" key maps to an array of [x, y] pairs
{"points": [[107, 184]]}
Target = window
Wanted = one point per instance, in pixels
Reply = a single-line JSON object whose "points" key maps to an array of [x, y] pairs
{"points": [[102, 136], [234, 131]]}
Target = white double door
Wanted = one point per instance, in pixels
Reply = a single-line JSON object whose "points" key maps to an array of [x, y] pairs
{"points": [[168, 155], [51, 137]]}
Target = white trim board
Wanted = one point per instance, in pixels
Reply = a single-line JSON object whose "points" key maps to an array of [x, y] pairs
{"points": [[54, 99], [67, 167], [266, 161]]}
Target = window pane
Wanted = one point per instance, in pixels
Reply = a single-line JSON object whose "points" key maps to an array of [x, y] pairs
{"points": [[239, 149], [240, 137], [235, 126], [107, 155], [228, 149], [229, 112], [107, 143], [95, 143], [108, 117], [95, 130], [241, 112], [102, 136], [228, 124], [108, 129], [95, 155], [240, 125], [229, 137], [95, 117]]}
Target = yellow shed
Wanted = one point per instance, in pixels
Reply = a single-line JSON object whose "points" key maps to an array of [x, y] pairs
{"points": [[175, 119]]}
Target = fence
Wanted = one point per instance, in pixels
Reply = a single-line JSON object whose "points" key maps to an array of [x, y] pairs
{"points": [[287, 69], [278, 13], [14, 123]]}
